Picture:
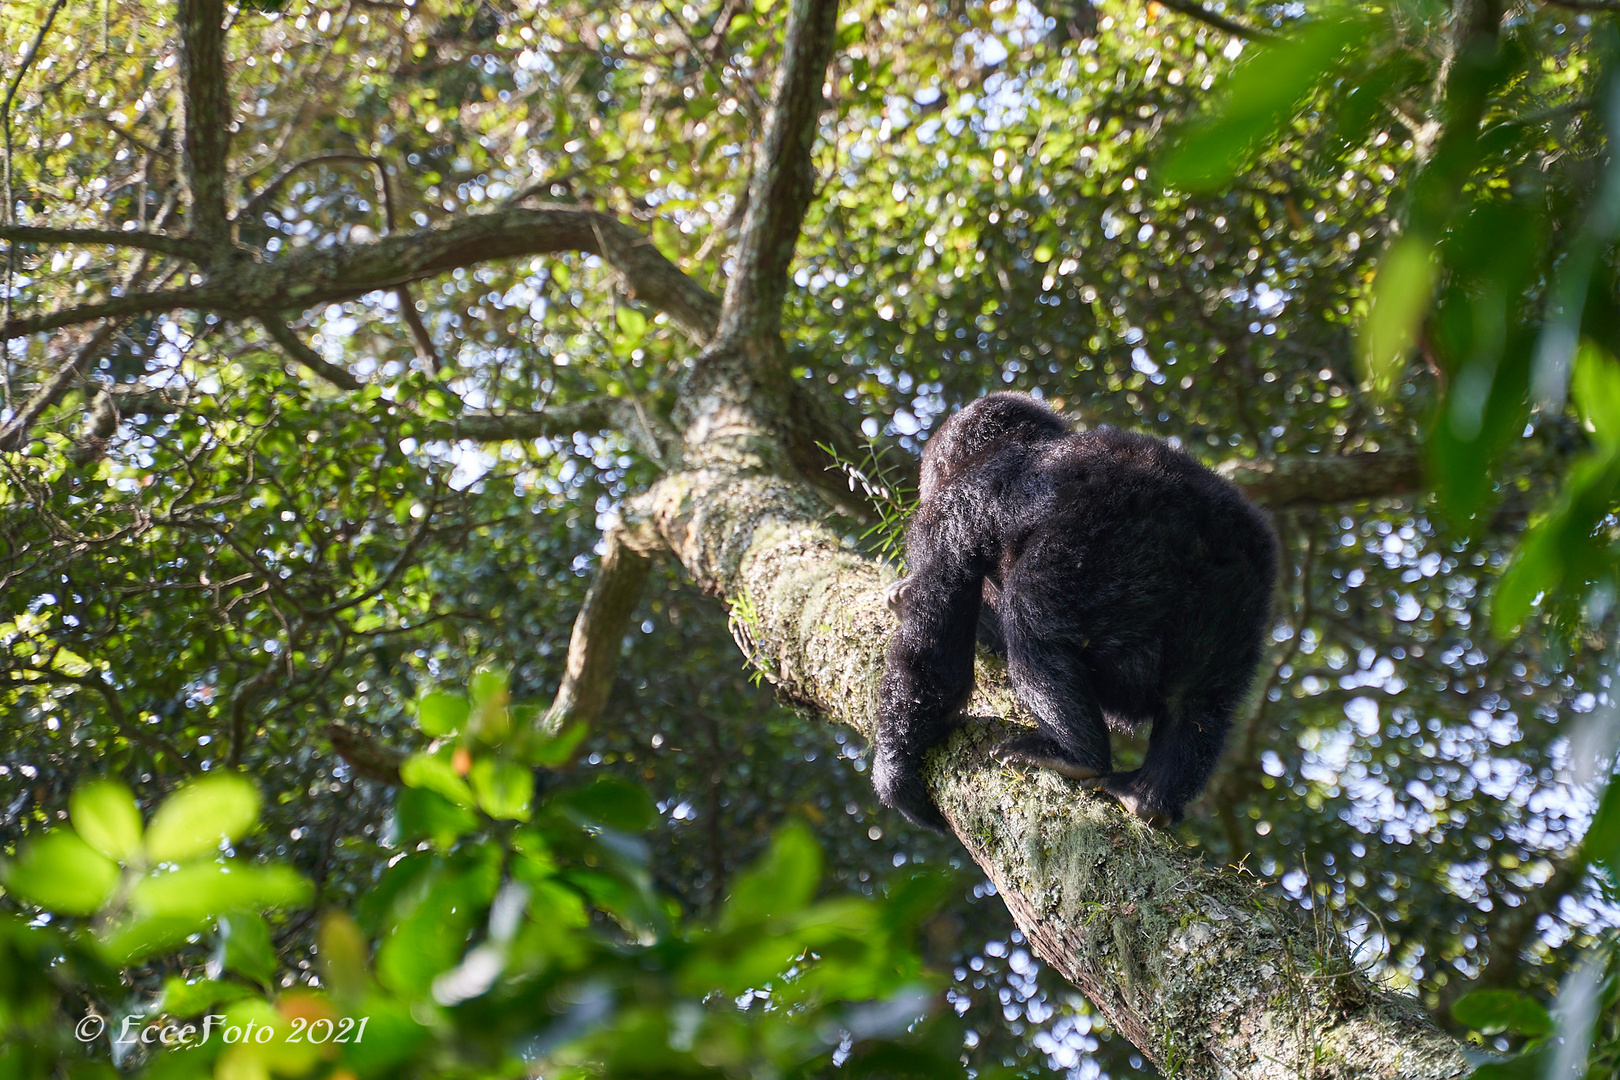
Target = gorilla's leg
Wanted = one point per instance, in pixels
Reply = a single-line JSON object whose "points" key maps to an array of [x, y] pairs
{"points": [[1071, 736], [1183, 749]]}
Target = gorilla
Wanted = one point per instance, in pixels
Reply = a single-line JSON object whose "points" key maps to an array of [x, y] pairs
{"points": [[1124, 583]]}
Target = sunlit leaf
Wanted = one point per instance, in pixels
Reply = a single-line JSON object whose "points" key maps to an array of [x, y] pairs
{"points": [[105, 815], [1401, 296], [201, 816], [441, 713], [217, 888], [60, 872]]}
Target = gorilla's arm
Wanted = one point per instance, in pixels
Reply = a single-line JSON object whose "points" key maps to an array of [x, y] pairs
{"points": [[929, 670]]}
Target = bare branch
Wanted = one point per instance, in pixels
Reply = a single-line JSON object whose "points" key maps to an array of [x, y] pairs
{"points": [[1199, 12], [593, 650], [651, 435], [208, 117], [178, 246], [311, 277], [783, 180], [256, 204], [14, 433], [283, 335], [1312, 479]]}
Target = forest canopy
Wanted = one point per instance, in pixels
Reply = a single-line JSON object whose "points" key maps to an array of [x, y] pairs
{"points": [[452, 451]]}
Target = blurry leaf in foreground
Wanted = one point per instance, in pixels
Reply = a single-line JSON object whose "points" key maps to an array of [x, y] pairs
{"points": [[441, 713], [244, 947], [1261, 97], [1401, 295], [420, 813], [217, 888], [197, 818], [1494, 1011], [62, 873], [780, 883], [105, 816]]}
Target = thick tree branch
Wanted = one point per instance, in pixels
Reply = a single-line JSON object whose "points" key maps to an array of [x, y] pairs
{"points": [[1202, 14], [311, 277], [283, 335], [178, 246], [783, 181], [208, 117], [599, 629], [1313, 479], [1202, 969]]}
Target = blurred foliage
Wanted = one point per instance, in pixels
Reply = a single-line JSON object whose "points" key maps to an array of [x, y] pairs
{"points": [[1384, 226], [488, 949]]}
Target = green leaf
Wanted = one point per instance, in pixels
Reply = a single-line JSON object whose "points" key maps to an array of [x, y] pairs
{"points": [[632, 322], [245, 947], [1402, 294], [1602, 842], [503, 788], [1595, 387], [216, 888], [419, 812], [105, 816], [1494, 1011], [62, 873], [780, 883], [555, 750], [609, 801], [134, 940], [434, 772], [200, 816], [1261, 97], [441, 713], [181, 998]]}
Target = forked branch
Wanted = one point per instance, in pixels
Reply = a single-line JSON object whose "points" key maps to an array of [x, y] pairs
{"points": [[783, 181]]}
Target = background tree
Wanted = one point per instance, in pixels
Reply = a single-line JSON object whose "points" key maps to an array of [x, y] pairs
{"points": [[311, 410]]}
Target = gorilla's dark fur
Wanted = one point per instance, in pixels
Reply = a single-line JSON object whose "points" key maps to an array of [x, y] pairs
{"points": [[1125, 583]]}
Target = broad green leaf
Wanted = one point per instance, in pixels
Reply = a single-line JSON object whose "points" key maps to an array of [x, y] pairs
{"points": [[1260, 98], [216, 888], [503, 788], [105, 815], [556, 750], [441, 713], [245, 947], [434, 772], [616, 803], [1493, 1011], [341, 952], [419, 812], [135, 939], [200, 816], [632, 322], [62, 873], [780, 883], [181, 998], [433, 918], [1602, 842], [1595, 387], [1401, 294]]}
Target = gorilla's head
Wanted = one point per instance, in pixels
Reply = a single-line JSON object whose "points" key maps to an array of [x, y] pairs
{"points": [[995, 421]]}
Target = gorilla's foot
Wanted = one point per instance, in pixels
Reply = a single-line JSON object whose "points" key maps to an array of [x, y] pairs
{"points": [[1039, 752], [1127, 790]]}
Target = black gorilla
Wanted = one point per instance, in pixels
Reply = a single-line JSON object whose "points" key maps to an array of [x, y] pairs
{"points": [[1124, 582]]}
